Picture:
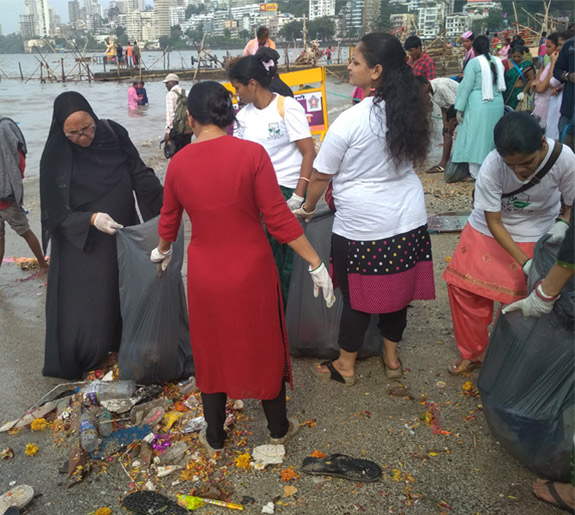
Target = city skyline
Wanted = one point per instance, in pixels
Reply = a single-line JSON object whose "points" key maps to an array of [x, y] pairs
{"points": [[12, 10]]}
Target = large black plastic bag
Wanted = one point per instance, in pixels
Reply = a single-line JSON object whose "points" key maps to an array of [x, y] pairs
{"points": [[527, 381], [155, 344], [312, 328]]}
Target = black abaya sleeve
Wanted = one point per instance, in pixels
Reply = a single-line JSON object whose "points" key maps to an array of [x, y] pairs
{"points": [[76, 227], [145, 183]]}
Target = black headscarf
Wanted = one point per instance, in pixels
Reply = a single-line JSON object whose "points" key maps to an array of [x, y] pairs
{"points": [[88, 172]]}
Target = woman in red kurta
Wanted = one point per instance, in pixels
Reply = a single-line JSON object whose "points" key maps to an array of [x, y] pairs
{"points": [[237, 328]]}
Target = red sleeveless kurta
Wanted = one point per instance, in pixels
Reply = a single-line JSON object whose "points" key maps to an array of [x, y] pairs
{"points": [[237, 327]]}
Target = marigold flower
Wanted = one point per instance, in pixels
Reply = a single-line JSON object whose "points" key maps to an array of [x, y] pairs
{"points": [[243, 461], [39, 424], [31, 449]]}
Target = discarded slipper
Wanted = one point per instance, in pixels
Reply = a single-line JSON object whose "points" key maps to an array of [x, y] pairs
{"points": [[333, 374], [458, 369], [152, 503], [392, 373], [436, 169], [19, 496], [341, 465]]}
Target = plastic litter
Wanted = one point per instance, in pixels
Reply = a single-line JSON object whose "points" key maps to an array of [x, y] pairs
{"points": [[89, 439], [191, 502], [98, 391], [194, 425], [119, 439], [269, 508], [265, 455]]}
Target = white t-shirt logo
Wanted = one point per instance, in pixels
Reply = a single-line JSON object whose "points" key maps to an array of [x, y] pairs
{"points": [[274, 131]]}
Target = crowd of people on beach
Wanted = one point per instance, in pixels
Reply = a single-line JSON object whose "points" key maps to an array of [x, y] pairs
{"points": [[249, 196]]}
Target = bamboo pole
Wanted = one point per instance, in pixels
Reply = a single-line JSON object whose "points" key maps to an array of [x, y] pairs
{"points": [[29, 78], [199, 56], [21, 74], [516, 18]]}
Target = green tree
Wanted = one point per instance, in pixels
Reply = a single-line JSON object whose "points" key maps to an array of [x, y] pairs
{"points": [[12, 44], [321, 28], [244, 34], [291, 30], [165, 41], [493, 22], [296, 7], [384, 22], [194, 9]]}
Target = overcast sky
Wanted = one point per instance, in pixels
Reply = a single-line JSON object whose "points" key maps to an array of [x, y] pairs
{"points": [[12, 9]]}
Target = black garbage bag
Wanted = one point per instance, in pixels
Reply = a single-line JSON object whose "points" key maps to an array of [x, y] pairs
{"points": [[544, 257], [312, 328], [527, 381], [155, 344]]}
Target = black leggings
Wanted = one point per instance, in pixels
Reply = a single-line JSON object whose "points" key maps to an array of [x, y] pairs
{"points": [[215, 415], [353, 324]]}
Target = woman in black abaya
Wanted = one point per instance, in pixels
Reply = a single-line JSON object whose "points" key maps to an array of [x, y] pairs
{"points": [[89, 173]]}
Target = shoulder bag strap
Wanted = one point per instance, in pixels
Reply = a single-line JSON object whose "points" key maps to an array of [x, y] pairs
{"points": [[542, 173]]}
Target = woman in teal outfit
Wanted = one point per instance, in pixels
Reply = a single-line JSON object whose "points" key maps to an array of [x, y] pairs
{"points": [[518, 77], [479, 106]]}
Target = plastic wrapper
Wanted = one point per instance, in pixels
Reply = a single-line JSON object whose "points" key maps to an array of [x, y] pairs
{"points": [[312, 328], [155, 344], [527, 381]]}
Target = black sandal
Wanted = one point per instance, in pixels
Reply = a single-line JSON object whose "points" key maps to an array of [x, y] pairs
{"points": [[341, 465], [333, 374]]}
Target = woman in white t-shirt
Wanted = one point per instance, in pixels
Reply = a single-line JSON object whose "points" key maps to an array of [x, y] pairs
{"points": [[280, 125], [495, 249], [381, 251]]}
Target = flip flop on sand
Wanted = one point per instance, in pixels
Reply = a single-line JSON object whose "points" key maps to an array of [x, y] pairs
{"points": [[152, 503], [436, 169], [19, 496], [333, 374], [341, 465]]}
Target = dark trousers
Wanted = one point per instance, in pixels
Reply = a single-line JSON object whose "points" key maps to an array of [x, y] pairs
{"points": [[353, 324], [215, 415]]}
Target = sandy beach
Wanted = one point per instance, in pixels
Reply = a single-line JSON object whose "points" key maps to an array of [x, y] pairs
{"points": [[463, 471]]}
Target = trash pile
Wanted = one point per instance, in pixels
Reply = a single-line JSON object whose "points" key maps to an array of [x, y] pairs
{"points": [[151, 432]]}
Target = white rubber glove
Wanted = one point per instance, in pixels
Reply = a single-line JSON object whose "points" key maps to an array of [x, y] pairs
{"points": [[557, 232], [520, 96], [535, 305], [527, 266], [105, 223], [302, 213], [163, 258], [459, 116], [295, 202], [322, 280]]}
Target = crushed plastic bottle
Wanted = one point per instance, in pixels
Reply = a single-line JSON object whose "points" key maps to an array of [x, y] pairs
{"points": [[89, 439], [97, 391], [105, 423]]}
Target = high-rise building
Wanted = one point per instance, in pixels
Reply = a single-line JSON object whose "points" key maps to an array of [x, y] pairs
{"points": [[319, 8], [36, 20], [162, 17], [73, 11]]}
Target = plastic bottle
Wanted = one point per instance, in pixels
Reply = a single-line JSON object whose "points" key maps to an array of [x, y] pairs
{"points": [[88, 434], [105, 423], [98, 391]]}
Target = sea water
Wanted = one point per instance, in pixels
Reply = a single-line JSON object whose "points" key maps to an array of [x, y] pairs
{"points": [[30, 102]]}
